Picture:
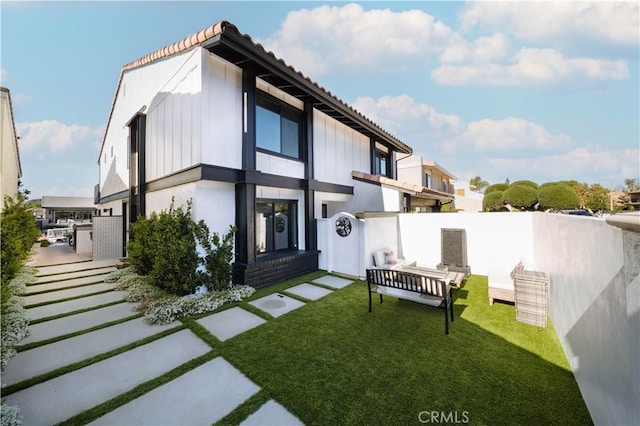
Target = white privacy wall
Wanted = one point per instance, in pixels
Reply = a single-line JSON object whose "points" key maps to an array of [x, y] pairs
{"points": [[494, 240], [595, 309]]}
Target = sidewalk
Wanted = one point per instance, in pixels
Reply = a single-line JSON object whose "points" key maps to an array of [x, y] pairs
{"points": [[55, 255]]}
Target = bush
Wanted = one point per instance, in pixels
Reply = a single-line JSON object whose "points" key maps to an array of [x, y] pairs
{"points": [[557, 196], [528, 183], [219, 253], [496, 187], [520, 196], [45, 243], [14, 322], [492, 202], [18, 233], [164, 248]]}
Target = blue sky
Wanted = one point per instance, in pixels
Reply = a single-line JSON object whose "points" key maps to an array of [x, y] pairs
{"points": [[542, 91]]}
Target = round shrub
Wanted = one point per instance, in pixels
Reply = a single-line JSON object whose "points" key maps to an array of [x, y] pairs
{"points": [[520, 196], [557, 197], [45, 243], [492, 202], [528, 183], [496, 187]]}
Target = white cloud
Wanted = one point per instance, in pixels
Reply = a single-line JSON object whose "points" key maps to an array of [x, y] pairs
{"points": [[54, 135], [532, 67], [509, 134], [482, 50], [580, 164], [319, 40], [411, 121], [615, 23]]}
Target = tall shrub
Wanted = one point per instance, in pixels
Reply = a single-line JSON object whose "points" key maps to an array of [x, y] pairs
{"points": [[557, 197], [219, 253], [521, 196], [492, 202], [164, 248], [18, 233]]}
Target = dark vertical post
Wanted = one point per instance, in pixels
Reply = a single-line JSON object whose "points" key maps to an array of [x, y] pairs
{"points": [[141, 130], [310, 229], [372, 144], [246, 192]]}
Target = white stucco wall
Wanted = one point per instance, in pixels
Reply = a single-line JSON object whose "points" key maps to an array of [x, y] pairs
{"points": [[494, 240], [9, 160], [595, 309]]}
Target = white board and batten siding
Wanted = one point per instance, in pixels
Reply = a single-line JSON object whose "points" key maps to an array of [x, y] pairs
{"points": [[146, 87], [338, 150]]}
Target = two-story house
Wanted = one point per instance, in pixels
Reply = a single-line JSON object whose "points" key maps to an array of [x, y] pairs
{"points": [[10, 170], [218, 120], [434, 184]]}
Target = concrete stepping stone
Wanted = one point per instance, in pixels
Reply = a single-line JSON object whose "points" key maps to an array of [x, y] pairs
{"points": [[331, 281], [40, 360], [60, 398], [69, 306], [71, 324], [277, 304], [200, 397], [64, 294], [73, 267], [271, 414], [309, 291], [78, 274], [226, 324], [61, 285]]}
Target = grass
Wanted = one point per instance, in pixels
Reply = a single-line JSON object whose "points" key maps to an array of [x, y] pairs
{"points": [[332, 362]]}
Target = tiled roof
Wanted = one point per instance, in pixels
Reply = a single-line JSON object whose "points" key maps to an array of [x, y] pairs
{"points": [[214, 30], [417, 190], [13, 125]]}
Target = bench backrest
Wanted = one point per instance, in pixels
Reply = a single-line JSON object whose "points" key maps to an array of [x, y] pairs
{"points": [[407, 281]]}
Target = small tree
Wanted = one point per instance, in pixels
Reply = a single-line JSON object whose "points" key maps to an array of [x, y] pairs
{"points": [[478, 183], [496, 187], [521, 196], [219, 253], [492, 202], [557, 196]]}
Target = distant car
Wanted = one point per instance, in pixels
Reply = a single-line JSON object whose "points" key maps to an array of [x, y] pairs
{"points": [[58, 235], [577, 212]]}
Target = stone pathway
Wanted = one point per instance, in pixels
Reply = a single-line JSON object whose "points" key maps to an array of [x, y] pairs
{"points": [[203, 395]]}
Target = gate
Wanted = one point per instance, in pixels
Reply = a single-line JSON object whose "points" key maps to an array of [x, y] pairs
{"points": [[343, 242], [108, 237]]}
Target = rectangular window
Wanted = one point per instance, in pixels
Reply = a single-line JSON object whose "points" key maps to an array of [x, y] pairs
{"points": [[427, 180], [278, 126], [381, 163], [276, 225]]}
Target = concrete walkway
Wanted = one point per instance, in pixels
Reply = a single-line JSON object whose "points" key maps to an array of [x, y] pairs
{"points": [[204, 395]]}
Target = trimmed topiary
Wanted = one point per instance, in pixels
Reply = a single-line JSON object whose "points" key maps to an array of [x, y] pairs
{"points": [[520, 196], [496, 187], [558, 196], [528, 183], [493, 201]]}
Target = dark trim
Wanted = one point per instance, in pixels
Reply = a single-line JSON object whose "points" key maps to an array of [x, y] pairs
{"points": [[372, 156], [307, 140], [137, 151], [278, 154], [335, 188], [114, 197], [225, 174], [241, 51], [249, 117], [245, 222]]}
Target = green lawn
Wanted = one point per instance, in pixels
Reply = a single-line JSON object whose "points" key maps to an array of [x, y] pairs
{"points": [[332, 362]]}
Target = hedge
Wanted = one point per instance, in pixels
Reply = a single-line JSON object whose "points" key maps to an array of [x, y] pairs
{"points": [[493, 201], [496, 187], [520, 196], [557, 196]]}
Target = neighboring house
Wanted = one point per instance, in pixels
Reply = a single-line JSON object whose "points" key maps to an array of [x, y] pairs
{"points": [[64, 210], [217, 120], [467, 199], [10, 169], [434, 184], [634, 199]]}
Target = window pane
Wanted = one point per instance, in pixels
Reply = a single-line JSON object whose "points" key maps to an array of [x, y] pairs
{"points": [[264, 220], [276, 226], [267, 129], [290, 137]]}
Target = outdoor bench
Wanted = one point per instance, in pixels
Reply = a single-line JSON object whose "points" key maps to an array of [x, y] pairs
{"points": [[420, 288]]}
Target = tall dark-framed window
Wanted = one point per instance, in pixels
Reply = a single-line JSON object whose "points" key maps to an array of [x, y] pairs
{"points": [[381, 163], [276, 225], [278, 126]]}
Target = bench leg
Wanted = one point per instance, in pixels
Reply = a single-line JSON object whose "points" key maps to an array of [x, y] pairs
{"points": [[446, 319], [369, 300]]}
